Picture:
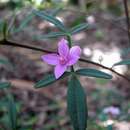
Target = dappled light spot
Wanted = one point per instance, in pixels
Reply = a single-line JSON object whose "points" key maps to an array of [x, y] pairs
{"points": [[122, 125], [59, 18], [90, 19], [79, 36], [106, 58], [87, 51]]}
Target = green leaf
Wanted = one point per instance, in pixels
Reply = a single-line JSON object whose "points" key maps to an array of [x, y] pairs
{"points": [[4, 61], [125, 51], [55, 11], [79, 28], [123, 62], [93, 73], [49, 79], [1, 25], [50, 18], [11, 24], [4, 85], [76, 104], [12, 112], [24, 23], [51, 35], [5, 27]]}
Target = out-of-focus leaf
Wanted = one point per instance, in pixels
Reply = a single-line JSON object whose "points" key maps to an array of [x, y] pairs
{"points": [[50, 19], [77, 21], [12, 112], [76, 104], [79, 28], [1, 25], [89, 5], [4, 85], [55, 11], [125, 51], [93, 73], [49, 79], [5, 27], [123, 62], [50, 35], [11, 24], [4, 61], [24, 23]]}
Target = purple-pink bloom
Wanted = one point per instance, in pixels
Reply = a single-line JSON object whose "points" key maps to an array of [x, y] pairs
{"points": [[66, 57]]}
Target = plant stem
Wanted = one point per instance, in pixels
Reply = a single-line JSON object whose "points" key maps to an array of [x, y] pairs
{"points": [[10, 43], [69, 40], [127, 17], [70, 45]]}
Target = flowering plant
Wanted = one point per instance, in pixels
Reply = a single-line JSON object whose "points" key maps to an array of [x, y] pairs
{"points": [[66, 57]]}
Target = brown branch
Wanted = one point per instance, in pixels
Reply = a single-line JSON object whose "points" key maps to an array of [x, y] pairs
{"points": [[127, 17], [104, 67], [10, 43]]}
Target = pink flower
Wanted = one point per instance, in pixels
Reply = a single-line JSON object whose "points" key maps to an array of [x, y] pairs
{"points": [[66, 57]]}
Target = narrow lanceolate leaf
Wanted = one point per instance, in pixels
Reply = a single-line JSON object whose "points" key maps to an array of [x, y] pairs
{"points": [[50, 19], [123, 62], [55, 11], [76, 104], [50, 35], [79, 28], [93, 73], [4, 85], [1, 25], [12, 112], [11, 24], [5, 27], [23, 24], [4, 61], [49, 79]]}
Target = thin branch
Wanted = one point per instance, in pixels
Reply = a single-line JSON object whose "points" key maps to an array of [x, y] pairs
{"points": [[10, 43], [104, 67], [127, 17]]}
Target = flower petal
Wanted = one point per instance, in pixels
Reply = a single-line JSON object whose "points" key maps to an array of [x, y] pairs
{"points": [[52, 59], [75, 51], [63, 47], [74, 55], [73, 60], [59, 70]]}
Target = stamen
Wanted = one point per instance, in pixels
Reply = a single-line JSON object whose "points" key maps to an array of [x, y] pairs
{"points": [[62, 60]]}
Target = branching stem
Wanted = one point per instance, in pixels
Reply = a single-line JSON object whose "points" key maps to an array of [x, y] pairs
{"points": [[10, 43]]}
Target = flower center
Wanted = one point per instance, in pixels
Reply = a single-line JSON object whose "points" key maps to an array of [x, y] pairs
{"points": [[62, 60]]}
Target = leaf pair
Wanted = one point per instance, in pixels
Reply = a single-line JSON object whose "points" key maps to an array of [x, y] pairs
{"points": [[49, 79], [51, 18], [72, 31], [76, 98]]}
